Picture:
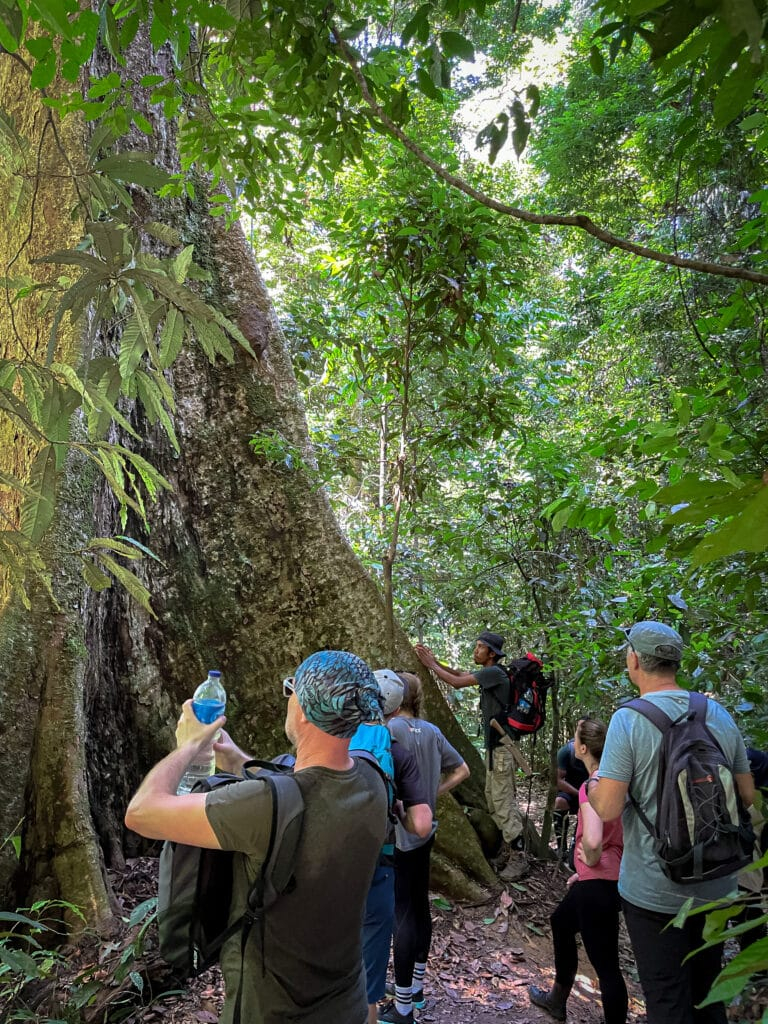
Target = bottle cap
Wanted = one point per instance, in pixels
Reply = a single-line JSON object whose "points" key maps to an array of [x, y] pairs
{"points": [[214, 672]]}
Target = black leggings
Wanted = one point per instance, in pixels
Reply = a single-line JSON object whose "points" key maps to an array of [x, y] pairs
{"points": [[413, 921], [592, 908]]}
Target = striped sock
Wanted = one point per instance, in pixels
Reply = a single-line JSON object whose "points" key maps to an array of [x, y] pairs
{"points": [[419, 970], [403, 1003]]}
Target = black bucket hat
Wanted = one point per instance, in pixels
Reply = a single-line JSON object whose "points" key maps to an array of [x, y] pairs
{"points": [[493, 641]]}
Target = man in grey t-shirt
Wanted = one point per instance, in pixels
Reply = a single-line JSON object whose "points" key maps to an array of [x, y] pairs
{"points": [[312, 970], [630, 764]]}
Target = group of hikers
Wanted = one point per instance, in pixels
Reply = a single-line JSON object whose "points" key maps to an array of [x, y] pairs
{"points": [[360, 878]]}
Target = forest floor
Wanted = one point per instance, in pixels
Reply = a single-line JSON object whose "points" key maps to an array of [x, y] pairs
{"points": [[483, 958]]}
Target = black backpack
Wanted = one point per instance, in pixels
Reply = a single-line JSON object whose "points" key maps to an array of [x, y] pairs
{"points": [[702, 829], [526, 711], [195, 884]]}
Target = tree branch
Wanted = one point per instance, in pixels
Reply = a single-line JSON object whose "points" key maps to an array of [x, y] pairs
{"points": [[577, 220]]}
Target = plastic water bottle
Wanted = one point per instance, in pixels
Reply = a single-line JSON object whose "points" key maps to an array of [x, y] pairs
{"points": [[525, 702], [208, 702]]}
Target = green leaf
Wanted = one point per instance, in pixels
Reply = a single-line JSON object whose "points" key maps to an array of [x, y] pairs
{"points": [[97, 543], [596, 61], [734, 92], [134, 167], [731, 980], [441, 903], [418, 26], [747, 531], [182, 263], [104, 85], [171, 337], [100, 402], [37, 512], [76, 258], [690, 488], [533, 95], [126, 578], [13, 24], [94, 577], [133, 345], [43, 72], [14, 918], [427, 86], [456, 45], [20, 963], [140, 912]]}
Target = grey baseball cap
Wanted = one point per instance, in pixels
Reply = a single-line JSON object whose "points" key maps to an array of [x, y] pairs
{"points": [[655, 638], [391, 689]]}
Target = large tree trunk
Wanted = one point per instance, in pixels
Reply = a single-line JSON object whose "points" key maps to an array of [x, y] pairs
{"points": [[255, 574]]}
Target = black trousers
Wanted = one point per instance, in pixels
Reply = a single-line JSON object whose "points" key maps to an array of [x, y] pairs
{"points": [[591, 908], [673, 988], [413, 920]]}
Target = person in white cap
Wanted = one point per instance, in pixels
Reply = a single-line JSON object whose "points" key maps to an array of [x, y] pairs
{"points": [[674, 977], [442, 768], [413, 813]]}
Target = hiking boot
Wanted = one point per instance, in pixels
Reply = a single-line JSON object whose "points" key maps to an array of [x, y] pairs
{"points": [[501, 857], [553, 1001], [417, 998], [387, 1014], [517, 867]]}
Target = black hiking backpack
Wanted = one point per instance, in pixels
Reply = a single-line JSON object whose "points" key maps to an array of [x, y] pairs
{"points": [[195, 884], [526, 711], [702, 829]]}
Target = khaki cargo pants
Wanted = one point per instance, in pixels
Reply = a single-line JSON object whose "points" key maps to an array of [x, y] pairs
{"points": [[501, 793]]}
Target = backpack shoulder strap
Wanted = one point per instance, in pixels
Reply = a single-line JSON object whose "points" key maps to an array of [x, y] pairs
{"points": [[389, 784], [648, 710], [288, 802], [697, 704], [257, 768]]}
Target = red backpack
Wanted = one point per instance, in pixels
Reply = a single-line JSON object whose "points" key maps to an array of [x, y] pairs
{"points": [[525, 713]]}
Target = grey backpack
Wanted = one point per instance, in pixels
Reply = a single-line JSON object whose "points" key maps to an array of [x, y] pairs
{"points": [[702, 829], [195, 885]]}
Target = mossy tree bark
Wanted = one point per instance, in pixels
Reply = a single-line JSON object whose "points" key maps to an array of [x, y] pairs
{"points": [[254, 572]]}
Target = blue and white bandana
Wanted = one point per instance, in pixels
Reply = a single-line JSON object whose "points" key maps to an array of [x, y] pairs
{"points": [[337, 691]]}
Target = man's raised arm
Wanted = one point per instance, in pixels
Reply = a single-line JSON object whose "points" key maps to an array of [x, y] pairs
{"points": [[458, 680]]}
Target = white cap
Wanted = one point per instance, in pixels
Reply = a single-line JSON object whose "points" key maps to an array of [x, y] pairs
{"points": [[391, 689]]}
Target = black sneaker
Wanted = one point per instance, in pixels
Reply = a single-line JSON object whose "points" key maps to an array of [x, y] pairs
{"points": [[388, 1014]]}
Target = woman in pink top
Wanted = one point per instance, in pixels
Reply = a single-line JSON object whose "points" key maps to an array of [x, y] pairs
{"points": [[591, 905]]}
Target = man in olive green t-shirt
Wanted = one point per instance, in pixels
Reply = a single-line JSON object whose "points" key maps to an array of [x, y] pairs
{"points": [[312, 968]]}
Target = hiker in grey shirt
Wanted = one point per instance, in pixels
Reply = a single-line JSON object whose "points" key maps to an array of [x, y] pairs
{"points": [[630, 764]]}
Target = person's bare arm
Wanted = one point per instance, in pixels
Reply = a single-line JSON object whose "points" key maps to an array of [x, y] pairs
{"points": [[155, 811], [455, 678], [591, 846], [418, 820], [607, 797], [745, 784], [453, 779]]}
